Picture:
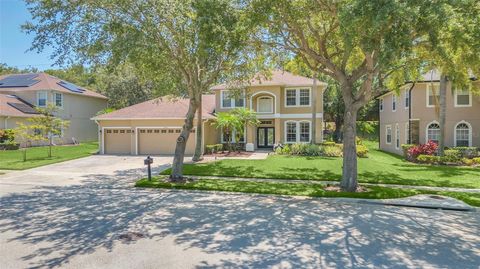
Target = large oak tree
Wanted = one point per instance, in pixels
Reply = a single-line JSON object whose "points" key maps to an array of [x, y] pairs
{"points": [[190, 42]]}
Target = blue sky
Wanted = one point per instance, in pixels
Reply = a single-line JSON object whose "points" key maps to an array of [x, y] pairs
{"points": [[14, 43]]}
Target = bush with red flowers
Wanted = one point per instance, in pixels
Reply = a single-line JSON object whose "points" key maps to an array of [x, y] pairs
{"points": [[423, 149]]}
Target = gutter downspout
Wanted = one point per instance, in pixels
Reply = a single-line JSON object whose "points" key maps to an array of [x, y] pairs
{"points": [[410, 113]]}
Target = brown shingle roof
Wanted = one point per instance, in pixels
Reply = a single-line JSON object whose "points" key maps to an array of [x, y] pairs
{"points": [[277, 78], [161, 108], [11, 106], [48, 82]]}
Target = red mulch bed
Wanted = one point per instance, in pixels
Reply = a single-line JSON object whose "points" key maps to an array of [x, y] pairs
{"points": [[230, 154]]}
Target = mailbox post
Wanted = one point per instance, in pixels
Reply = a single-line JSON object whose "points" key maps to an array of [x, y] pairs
{"points": [[148, 161]]}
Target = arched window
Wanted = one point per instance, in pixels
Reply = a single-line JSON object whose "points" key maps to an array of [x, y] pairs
{"points": [[463, 135], [433, 132]]}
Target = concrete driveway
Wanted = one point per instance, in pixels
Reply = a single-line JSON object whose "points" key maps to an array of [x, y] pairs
{"points": [[97, 220]]}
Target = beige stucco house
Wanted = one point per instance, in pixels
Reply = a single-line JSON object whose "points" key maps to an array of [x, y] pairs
{"points": [[282, 101], [412, 115], [21, 93]]}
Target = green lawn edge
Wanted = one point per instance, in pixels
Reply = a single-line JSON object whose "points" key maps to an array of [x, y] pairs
{"points": [[298, 189], [37, 156]]}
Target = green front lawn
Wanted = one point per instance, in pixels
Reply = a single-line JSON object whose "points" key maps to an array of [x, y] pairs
{"points": [[379, 167], [312, 190], [37, 156]]}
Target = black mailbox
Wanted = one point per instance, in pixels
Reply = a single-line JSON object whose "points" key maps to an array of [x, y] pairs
{"points": [[148, 161]]}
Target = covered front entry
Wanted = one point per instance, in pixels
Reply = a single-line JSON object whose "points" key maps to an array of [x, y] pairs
{"points": [[265, 137], [162, 141]]}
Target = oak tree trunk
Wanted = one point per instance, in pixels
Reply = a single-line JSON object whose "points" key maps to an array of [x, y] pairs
{"points": [[349, 174], [337, 134], [177, 165], [197, 156], [443, 113]]}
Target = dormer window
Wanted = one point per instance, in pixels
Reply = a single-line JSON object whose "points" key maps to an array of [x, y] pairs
{"points": [[297, 97], [228, 100], [42, 97]]}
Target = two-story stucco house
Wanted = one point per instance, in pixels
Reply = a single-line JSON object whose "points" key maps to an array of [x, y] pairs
{"points": [[283, 103], [412, 116], [20, 94]]}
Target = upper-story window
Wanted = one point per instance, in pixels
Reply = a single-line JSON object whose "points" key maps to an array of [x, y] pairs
{"points": [[463, 98], [58, 98], [433, 95], [231, 101], [297, 97], [381, 104], [388, 134], [42, 97], [407, 98], [394, 102], [265, 104]]}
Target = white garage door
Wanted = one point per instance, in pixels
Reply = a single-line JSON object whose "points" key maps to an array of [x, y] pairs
{"points": [[162, 141]]}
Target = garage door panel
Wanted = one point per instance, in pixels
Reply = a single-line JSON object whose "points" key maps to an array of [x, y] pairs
{"points": [[162, 141], [117, 141]]}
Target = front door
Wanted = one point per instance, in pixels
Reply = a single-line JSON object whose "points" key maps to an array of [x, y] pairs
{"points": [[265, 137]]}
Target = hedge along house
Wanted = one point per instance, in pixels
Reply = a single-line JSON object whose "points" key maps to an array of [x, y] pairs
{"points": [[283, 103], [412, 117], [21, 94]]}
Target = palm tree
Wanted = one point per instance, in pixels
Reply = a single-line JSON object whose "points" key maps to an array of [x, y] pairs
{"points": [[227, 123], [246, 117]]}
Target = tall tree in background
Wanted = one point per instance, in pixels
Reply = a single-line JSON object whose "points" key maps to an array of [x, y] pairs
{"points": [[192, 43], [357, 43]]}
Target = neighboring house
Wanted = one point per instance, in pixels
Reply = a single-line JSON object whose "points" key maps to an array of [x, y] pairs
{"points": [[20, 94], [412, 117], [283, 103]]}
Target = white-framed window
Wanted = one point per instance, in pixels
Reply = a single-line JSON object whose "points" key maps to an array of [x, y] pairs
{"points": [[380, 104], [407, 98], [298, 97], [265, 104], [463, 134], [232, 137], [463, 98], [304, 131], [397, 136], [394, 102], [290, 132], [388, 134], [433, 132], [433, 95], [228, 100], [407, 133], [42, 98], [58, 99], [298, 131]]}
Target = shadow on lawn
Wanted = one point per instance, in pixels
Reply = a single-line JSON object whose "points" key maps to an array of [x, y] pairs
{"points": [[57, 223]]}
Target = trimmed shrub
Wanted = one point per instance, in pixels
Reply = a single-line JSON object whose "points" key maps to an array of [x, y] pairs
{"points": [[476, 161], [467, 152], [423, 149], [428, 159], [332, 151], [210, 149], [362, 151], [406, 148], [451, 156], [468, 162], [328, 143]]}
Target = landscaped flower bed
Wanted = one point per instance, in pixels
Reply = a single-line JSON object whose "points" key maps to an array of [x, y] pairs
{"points": [[326, 149], [427, 154]]}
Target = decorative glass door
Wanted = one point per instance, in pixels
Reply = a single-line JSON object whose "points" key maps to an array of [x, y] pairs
{"points": [[265, 137]]}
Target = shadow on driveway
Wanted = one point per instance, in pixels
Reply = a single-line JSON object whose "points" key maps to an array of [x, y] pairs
{"points": [[58, 223]]}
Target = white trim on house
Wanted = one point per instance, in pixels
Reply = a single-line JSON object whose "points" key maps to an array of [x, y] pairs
{"points": [[264, 92], [271, 104], [394, 103], [381, 104], [407, 132], [428, 89], [55, 99], [470, 133], [388, 126], [297, 131], [455, 104], [397, 137], [38, 98], [407, 103], [297, 96], [426, 129], [233, 104], [288, 116]]}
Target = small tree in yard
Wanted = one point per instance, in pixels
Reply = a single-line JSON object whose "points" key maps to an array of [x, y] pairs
{"points": [[227, 123], [24, 134], [246, 117], [47, 126]]}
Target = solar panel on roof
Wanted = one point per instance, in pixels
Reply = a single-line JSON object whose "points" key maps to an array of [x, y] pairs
{"points": [[22, 80], [24, 108], [71, 87]]}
